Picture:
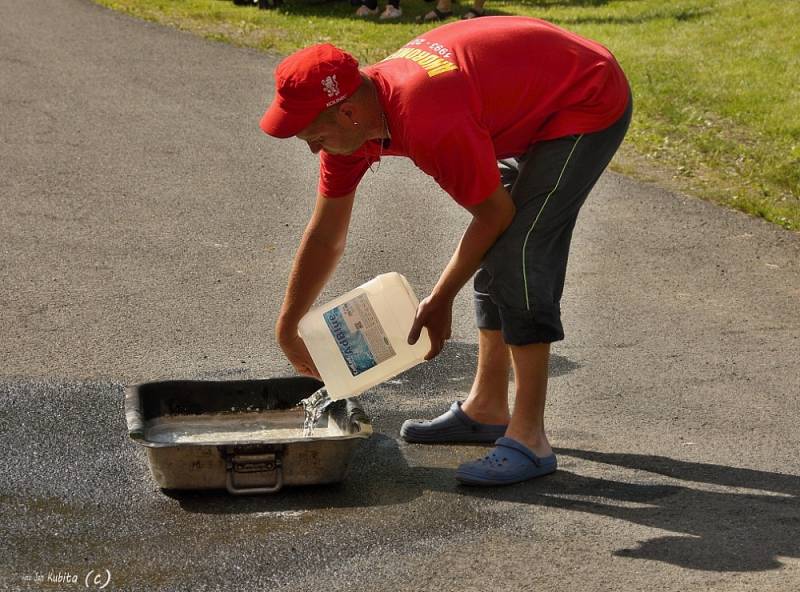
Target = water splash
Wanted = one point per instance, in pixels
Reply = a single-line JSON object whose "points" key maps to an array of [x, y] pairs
{"points": [[314, 406]]}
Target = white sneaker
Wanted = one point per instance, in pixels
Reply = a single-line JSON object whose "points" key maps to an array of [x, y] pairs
{"points": [[365, 11], [390, 12]]}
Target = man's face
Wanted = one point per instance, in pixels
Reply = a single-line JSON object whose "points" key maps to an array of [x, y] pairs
{"points": [[333, 132]]}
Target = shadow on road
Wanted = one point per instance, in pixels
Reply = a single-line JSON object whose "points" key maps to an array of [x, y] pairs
{"points": [[717, 526], [715, 530]]}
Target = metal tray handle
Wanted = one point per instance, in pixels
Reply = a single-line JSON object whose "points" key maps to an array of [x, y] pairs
{"points": [[254, 463]]}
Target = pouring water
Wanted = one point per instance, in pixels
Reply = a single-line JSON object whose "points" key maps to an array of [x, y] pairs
{"points": [[314, 406]]}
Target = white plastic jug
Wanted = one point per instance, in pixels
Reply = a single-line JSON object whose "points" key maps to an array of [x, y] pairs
{"points": [[360, 339]]}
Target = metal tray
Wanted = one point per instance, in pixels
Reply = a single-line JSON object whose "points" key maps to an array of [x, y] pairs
{"points": [[244, 435]]}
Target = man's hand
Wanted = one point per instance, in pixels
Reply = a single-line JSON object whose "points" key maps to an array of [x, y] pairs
{"points": [[435, 314], [297, 353]]}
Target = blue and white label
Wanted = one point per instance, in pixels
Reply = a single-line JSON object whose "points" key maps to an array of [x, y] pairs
{"points": [[358, 333]]}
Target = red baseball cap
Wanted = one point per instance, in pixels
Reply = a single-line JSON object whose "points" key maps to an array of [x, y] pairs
{"points": [[306, 83]]}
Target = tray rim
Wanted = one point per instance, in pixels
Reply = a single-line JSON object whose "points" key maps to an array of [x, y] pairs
{"points": [[137, 424], [364, 433]]}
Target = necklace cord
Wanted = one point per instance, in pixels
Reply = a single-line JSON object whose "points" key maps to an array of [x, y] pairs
{"points": [[385, 129]]}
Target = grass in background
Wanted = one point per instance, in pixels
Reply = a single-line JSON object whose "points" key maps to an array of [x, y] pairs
{"points": [[716, 83]]}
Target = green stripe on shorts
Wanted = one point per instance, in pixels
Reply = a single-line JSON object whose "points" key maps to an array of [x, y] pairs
{"points": [[546, 199]]}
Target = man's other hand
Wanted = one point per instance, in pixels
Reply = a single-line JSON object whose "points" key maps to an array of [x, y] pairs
{"points": [[436, 315]]}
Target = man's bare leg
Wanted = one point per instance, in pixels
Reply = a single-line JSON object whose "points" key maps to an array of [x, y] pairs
{"points": [[530, 374], [488, 399]]}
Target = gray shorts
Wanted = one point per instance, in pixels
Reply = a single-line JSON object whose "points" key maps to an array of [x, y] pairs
{"points": [[518, 287]]}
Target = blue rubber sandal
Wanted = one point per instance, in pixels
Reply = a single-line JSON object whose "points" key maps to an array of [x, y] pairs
{"points": [[509, 462], [452, 426]]}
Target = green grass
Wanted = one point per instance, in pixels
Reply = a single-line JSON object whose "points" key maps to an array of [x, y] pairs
{"points": [[716, 82]]}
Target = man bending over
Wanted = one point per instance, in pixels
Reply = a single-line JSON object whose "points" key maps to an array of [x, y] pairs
{"points": [[515, 119]]}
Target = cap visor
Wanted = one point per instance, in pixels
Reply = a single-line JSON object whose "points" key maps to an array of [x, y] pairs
{"points": [[280, 124]]}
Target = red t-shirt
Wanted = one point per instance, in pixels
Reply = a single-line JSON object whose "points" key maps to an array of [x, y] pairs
{"points": [[470, 92]]}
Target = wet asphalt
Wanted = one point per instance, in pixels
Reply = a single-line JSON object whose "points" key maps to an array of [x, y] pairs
{"points": [[147, 232]]}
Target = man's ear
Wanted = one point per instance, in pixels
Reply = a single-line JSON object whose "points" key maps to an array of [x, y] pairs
{"points": [[347, 113]]}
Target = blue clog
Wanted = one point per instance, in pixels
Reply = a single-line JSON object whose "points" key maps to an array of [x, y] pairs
{"points": [[509, 462], [452, 426]]}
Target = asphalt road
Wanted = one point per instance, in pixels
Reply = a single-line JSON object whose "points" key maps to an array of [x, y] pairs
{"points": [[147, 231]]}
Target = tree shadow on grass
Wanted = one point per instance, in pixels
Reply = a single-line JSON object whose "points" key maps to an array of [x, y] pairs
{"points": [[675, 13], [338, 8]]}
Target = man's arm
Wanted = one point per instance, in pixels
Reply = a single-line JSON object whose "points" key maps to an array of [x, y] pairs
{"points": [[319, 252], [490, 218]]}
